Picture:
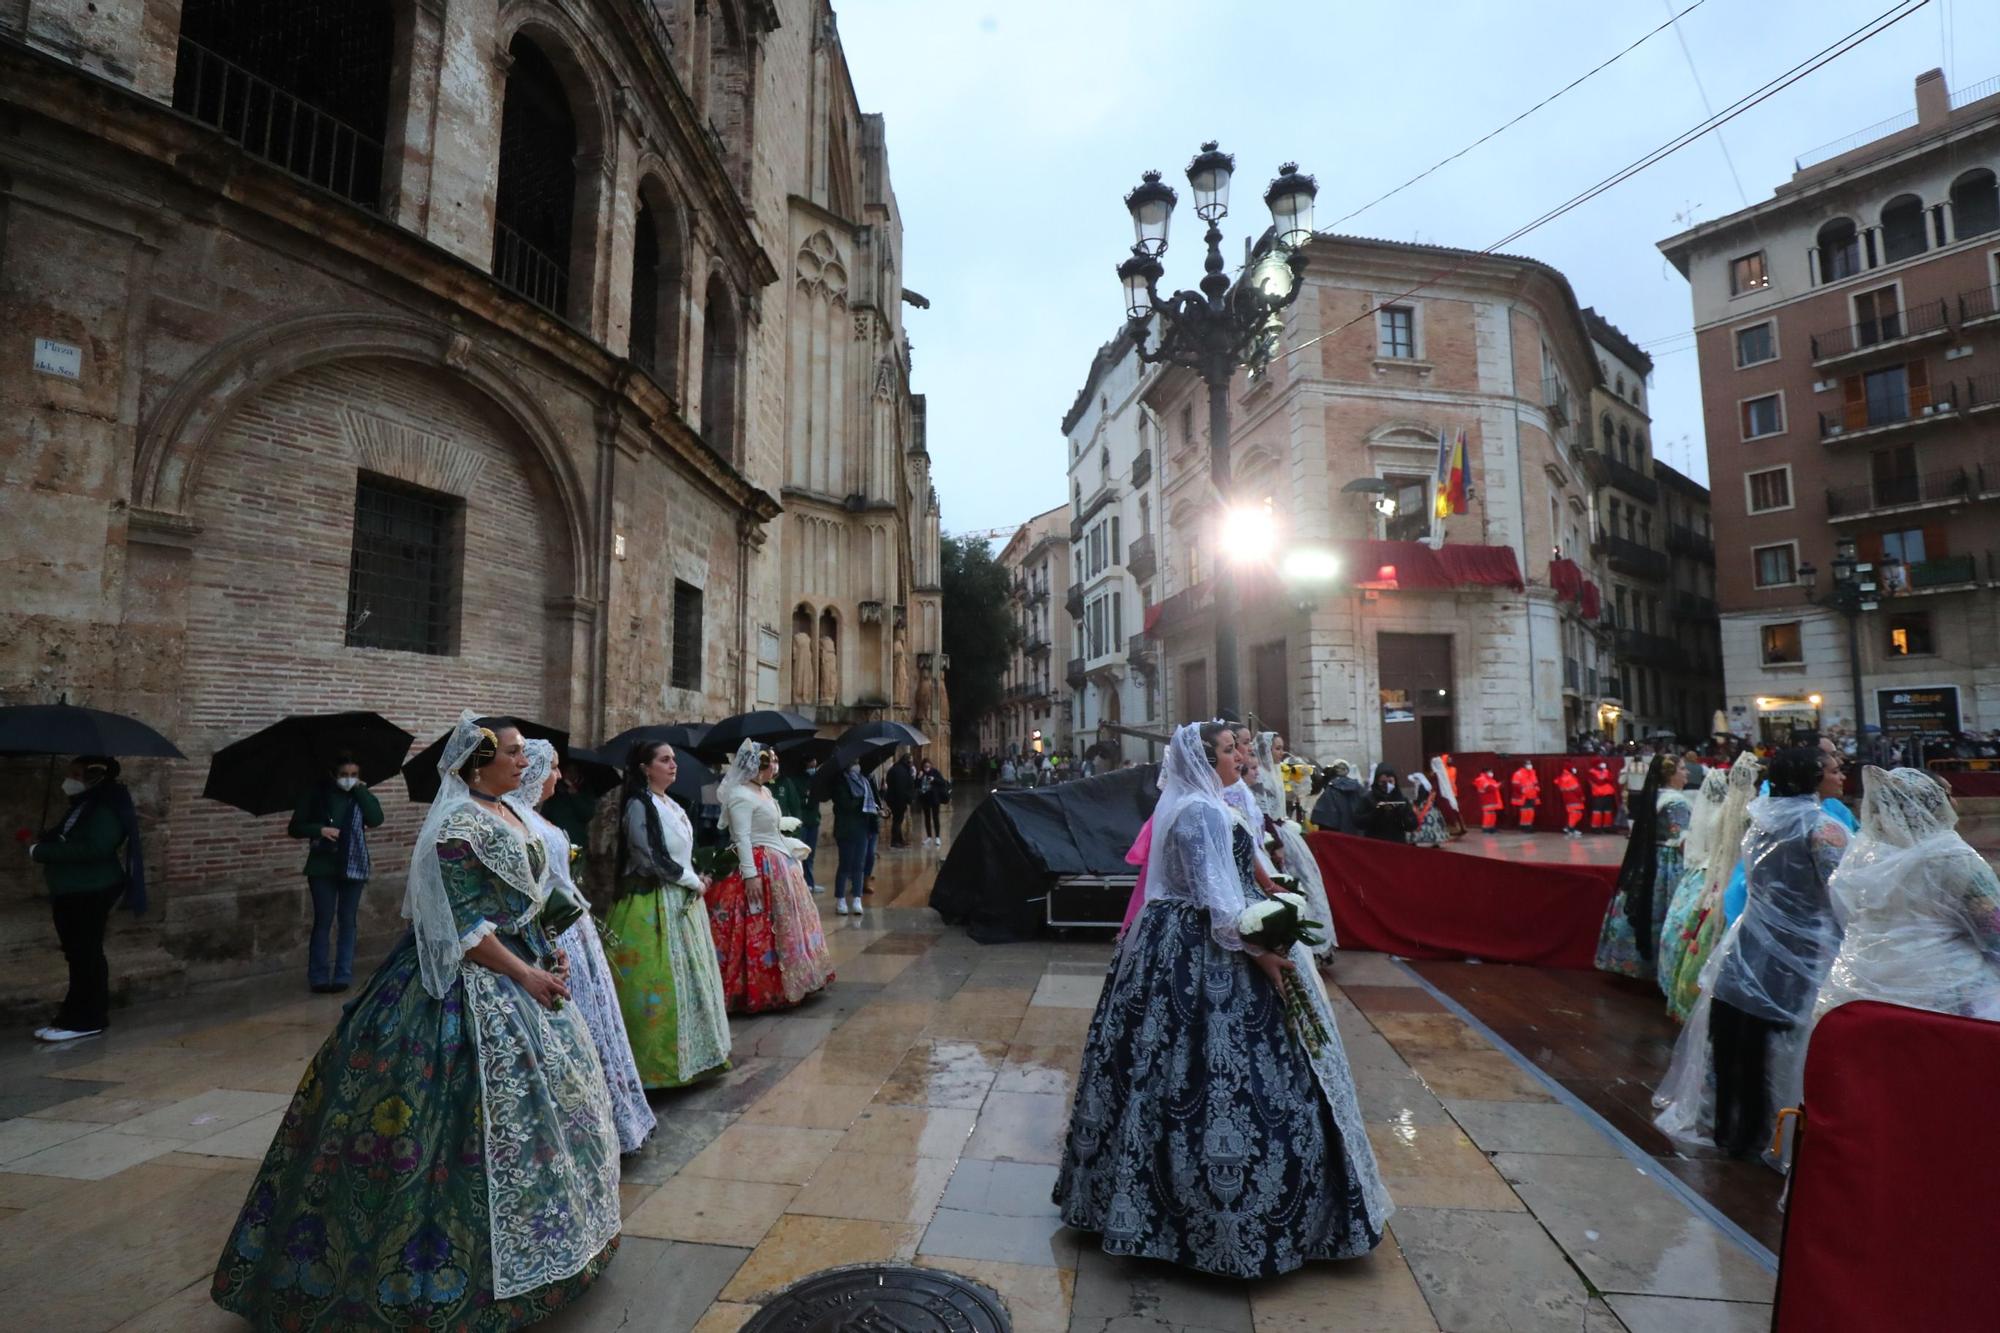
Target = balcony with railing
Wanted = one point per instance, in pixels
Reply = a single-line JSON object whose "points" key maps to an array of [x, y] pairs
{"points": [[1631, 480], [1693, 606], [1073, 601], [1943, 573], [526, 271], [1928, 319], [1142, 654], [1142, 467], [1684, 540], [1572, 676], [1653, 650], [1982, 392], [1075, 674], [1913, 406], [1979, 306], [1141, 558], [1635, 559], [1038, 591], [269, 123], [1894, 494], [1036, 645], [1555, 400]]}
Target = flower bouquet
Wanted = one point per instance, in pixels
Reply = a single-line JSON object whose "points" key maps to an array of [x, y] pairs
{"points": [[798, 850], [714, 862], [1276, 924]]}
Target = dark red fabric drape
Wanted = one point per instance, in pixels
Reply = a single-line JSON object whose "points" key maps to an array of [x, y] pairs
{"points": [[1890, 1224], [1421, 903], [1418, 566], [1972, 782]]}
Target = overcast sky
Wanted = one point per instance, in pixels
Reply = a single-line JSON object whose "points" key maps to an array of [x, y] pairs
{"points": [[1014, 131]]}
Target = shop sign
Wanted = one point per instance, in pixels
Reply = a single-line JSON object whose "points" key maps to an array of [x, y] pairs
{"points": [[1932, 711]]}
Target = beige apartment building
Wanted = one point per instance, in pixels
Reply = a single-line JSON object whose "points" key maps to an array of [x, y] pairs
{"points": [[1849, 336], [1033, 715]]}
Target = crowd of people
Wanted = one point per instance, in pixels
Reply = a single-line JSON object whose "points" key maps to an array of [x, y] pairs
{"points": [[451, 1157]]}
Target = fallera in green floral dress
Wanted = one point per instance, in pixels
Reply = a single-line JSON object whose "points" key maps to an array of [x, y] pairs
{"points": [[446, 1163]]}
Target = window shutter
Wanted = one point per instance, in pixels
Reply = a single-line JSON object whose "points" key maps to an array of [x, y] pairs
{"points": [[1854, 402], [1869, 547], [1935, 547], [1920, 386]]}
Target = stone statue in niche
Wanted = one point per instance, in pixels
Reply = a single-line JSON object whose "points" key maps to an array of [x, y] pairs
{"points": [[829, 669], [803, 668], [923, 708], [900, 663]]}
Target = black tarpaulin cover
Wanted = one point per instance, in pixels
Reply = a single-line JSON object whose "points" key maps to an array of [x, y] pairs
{"points": [[1018, 842]]}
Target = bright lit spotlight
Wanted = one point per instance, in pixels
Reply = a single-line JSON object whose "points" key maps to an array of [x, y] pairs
{"points": [[1312, 566], [1248, 534]]}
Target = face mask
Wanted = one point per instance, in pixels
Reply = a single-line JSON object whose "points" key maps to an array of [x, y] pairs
{"points": [[74, 786], [347, 784]]}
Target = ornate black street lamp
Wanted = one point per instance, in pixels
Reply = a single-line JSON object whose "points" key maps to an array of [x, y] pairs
{"points": [[1854, 591], [1222, 327]]}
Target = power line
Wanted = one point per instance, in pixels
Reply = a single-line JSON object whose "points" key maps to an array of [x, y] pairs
{"points": [[1587, 74], [1875, 27]]}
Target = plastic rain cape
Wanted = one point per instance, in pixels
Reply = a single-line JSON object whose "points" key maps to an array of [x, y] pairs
{"points": [[1769, 963], [1919, 908]]}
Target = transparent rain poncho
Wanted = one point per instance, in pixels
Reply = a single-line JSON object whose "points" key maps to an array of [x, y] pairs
{"points": [[1769, 964], [1919, 908]]}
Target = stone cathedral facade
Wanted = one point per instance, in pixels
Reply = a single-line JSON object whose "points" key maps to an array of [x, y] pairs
{"points": [[536, 356]]}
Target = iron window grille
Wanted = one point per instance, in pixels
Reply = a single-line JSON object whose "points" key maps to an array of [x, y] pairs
{"points": [[403, 578], [687, 637]]}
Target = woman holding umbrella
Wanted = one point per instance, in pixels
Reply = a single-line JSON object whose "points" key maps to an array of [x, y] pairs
{"points": [[334, 816], [767, 931], [86, 878]]}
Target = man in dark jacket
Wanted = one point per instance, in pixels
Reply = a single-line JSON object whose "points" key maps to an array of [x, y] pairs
{"points": [[793, 792], [334, 816], [902, 791], [1339, 804]]}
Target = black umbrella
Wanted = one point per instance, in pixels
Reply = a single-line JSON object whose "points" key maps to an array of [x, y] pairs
{"points": [[902, 733], [768, 725], [420, 775], [869, 754], [593, 769], [693, 772], [54, 729], [680, 735], [267, 772], [793, 756]]}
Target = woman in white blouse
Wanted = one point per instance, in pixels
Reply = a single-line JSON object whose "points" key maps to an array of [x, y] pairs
{"points": [[767, 932]]}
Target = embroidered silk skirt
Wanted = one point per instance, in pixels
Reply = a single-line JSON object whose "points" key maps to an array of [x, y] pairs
{"points": [[669, 991], [769, 943]]}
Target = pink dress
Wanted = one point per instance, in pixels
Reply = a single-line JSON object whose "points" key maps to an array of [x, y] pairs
{"points": [[1142, 847]]}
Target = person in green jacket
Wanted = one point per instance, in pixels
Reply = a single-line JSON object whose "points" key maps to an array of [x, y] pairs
{"points": [[794, 794], [86, 877], [334, 816]]}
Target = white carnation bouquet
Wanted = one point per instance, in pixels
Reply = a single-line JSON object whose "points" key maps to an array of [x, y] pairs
{"points": [[798, 850], [788, 823], [1276, 924]]}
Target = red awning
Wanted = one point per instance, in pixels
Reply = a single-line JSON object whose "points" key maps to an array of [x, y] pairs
{"points": [[1567, 579], [1589, 602], [1413, 565]]}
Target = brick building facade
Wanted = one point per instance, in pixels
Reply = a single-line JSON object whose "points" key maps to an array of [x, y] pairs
{"points": [[446, 367], [1504, 646], [1849, 335], [1033, 712]]}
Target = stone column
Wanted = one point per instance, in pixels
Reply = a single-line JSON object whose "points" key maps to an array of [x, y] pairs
{"points": [[415, 85]]}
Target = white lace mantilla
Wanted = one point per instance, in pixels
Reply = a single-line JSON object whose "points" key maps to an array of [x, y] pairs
{"points": [[551, 1148]]}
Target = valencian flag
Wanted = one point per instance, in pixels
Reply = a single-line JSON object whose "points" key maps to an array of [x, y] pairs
{"points": [[1453, 486]]}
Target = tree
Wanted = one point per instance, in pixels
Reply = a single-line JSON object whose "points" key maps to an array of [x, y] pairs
{"points": [[979, 632]]}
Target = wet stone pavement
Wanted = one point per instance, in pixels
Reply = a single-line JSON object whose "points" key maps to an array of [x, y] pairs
{"points": [[913, 1112]]}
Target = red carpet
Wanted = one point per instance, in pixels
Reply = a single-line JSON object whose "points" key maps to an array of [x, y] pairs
{"points": [[1420, 903], [1890, 1225]]}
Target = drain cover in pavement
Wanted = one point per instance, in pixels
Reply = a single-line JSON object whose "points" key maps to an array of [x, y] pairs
{"points": [[884, 1299]]}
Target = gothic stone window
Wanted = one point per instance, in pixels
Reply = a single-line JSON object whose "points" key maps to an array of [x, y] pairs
{"points": [[687, 636]]}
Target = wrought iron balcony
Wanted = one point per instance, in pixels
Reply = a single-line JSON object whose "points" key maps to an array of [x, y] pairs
{"points": [[526, 271], [1142, 467], [1945, 572], [1693, 606], [1555, 400], [1683, 540], [1141, 558], [1631, 480], [1038, 591], [1636, 559], [1925, 320], [1073, 602], [1075, 673], [1572, 675], [1037, 645], [269, 123], [1142, 655], [1950, 486], [1654, 650], [1912, 407], [1978, 305], [1982, 392]]}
